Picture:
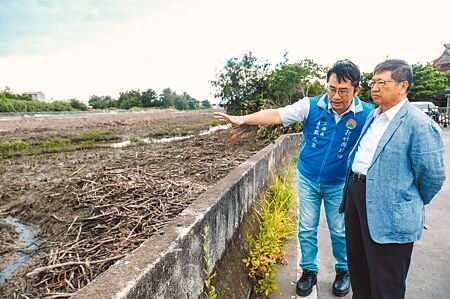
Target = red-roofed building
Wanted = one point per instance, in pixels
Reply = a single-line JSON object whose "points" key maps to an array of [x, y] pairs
{"points": [[444, 61]]}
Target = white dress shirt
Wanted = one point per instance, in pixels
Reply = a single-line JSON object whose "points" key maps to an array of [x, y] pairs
{"points": [[369, 142], [299, 111], [337, 117]]}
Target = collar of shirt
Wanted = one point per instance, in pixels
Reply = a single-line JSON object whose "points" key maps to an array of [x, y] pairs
{"points": [[338, 117], [390, 113], [350, 108]]}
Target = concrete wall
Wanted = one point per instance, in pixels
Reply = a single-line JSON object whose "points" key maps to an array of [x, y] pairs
{"points": [[172, 265]]}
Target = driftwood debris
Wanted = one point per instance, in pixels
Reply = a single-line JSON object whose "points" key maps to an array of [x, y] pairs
{"points": [[123, 204]]}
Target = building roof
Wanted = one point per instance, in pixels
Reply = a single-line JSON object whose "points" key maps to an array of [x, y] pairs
{"points": [[444, 60], [33, 92]]}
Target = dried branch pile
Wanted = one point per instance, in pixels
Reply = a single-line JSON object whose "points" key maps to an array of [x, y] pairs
{"points": [[123, 204]]}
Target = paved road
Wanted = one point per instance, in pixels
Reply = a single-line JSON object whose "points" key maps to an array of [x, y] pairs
{"points": [[429, 274]]}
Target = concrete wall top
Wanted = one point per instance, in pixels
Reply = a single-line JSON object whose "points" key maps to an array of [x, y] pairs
{"points": [[173, 263]]}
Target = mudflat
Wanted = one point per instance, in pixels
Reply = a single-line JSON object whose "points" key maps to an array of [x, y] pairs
{"points": [[89, 208]]}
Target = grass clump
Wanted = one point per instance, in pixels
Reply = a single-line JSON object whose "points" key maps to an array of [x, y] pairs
{"points": [[216, 122], [276, 224], [80, 141], [13, 146], [94, 136]]}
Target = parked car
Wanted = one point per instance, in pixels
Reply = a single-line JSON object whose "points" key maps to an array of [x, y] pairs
{"points": [[429, 108]]}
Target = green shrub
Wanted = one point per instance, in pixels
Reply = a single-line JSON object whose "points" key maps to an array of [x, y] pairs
{"points": [[78, 105], [275, 225], [216, 122], [27, 105]]}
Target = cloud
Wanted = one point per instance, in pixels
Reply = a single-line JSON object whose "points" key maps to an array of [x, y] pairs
{"points": [[30, 27]]}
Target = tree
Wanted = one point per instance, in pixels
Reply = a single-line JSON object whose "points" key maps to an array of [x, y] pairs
{"points": [[293, 81], [205, 104], [78, 105], [180, 103], [364, 93], [167, 98], [149, 98], [309, 72], [95, 102], [241, 85], [448, 79], [129, 99], [316, 88], [191, 102], [102, 102], [283, 83], [428, 84]]}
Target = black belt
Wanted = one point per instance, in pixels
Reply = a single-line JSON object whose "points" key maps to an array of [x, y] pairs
{"points": [[357, 177]]}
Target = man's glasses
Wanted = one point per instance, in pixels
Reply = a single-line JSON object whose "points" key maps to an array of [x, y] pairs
{"points": [[380, 83], [341, 92]]}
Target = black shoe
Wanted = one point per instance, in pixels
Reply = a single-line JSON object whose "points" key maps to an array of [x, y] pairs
{"points": [[341, 284], [306, 283]]}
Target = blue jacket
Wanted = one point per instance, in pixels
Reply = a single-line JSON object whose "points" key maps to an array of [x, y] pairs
{"points": [[407, 171], [327, 144]]}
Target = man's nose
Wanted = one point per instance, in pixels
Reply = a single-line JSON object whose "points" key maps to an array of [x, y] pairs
{"points": [[336, 95], [375, 87]]}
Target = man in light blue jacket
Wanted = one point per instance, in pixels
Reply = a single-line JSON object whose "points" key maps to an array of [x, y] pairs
{"points": [[395, 168]]}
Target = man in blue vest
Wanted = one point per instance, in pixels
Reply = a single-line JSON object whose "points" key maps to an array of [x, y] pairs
{"points": [[332, 124]]}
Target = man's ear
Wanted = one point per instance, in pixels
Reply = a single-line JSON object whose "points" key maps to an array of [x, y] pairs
{"points": [[357, 89], [404, 89]]}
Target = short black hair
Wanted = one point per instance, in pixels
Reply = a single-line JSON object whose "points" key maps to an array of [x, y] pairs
{"points": [[345, 70], [401, 70]]}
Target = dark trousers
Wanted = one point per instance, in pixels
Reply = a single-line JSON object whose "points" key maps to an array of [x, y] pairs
{"points": [[377, 271]]}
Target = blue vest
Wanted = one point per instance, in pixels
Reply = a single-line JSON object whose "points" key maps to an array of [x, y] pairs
{"points": [[327, 144]]}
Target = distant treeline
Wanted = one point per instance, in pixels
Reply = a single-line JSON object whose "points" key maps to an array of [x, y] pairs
{"points": [[148, 99], [134, 99], [24, 103]]}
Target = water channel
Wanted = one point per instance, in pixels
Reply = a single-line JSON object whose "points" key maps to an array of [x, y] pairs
{"points": [[169, 139], [26, 237]]}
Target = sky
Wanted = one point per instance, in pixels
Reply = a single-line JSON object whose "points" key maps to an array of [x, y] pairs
{"points": [[79, 48]]}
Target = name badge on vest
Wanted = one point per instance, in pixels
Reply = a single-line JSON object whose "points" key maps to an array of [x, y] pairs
{"points": [[350, 124]]}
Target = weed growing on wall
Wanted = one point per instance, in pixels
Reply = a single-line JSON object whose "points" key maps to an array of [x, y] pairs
{"points": [[210, 291], [276, 224]]}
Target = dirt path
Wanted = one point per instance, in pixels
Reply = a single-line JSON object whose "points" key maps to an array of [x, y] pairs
{"points": [[89, 208]]}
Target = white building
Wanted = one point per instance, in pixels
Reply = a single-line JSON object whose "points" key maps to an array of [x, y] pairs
{"points": [[36, 95]]}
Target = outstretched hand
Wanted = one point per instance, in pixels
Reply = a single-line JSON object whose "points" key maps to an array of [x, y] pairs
{"points": [[234, 120]]}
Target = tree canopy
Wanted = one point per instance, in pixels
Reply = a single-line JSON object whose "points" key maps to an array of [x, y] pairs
{"points": [[248, 84], [297, 80], [364, 93], [242, 84], [428, 83]]}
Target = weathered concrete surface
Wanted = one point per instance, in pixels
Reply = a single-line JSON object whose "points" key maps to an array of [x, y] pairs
{"points": [[429, 273], [173, 265]]}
